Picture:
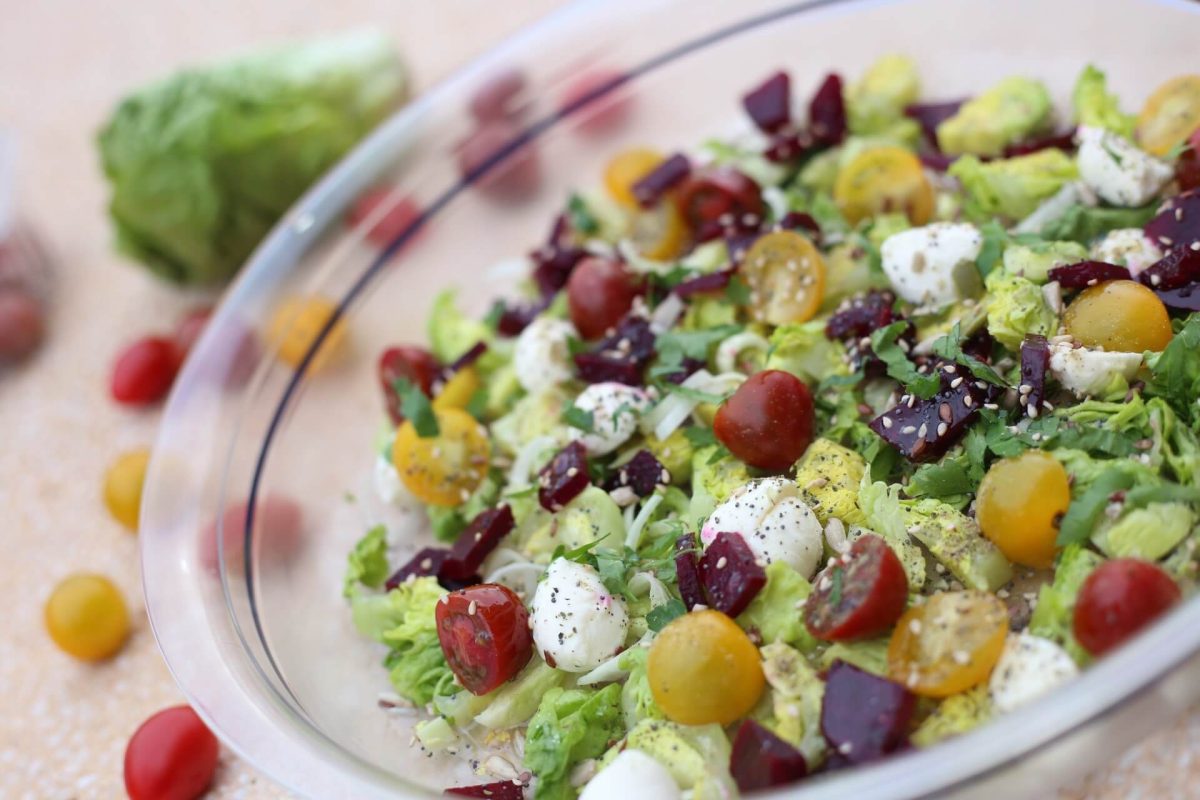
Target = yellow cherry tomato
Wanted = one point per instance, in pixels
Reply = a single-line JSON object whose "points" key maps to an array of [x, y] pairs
{"points": [[703, 668], [1122, 316], [948, 644], [1170, 115], [86, 617], [627, 168], [659, 233], [786, 277], [123, 487], [459, 390], [296, 325], [443, 470], [1020, 504], [881, 180]]}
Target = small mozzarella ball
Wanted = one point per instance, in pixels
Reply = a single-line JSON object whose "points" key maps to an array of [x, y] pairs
{"points": [[577, 623], [1129, 247], [1084, 371], [775, 523], [615, 409], [1029, 667], [1117, 170], [922, 263], [542, 356], [632, 774]]}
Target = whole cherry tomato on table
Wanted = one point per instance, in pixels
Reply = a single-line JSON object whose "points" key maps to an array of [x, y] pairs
{"points": [[1118, 599], [484, 633], [768, 422], [172, 756]]}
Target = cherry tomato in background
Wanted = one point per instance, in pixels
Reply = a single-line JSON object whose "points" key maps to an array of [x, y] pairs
{"points": [[86, 617], [860, 595], [768, 422], [515, 177], [608, 110], [389, 213], [144, 371], [415, 364], [599, 293], [627, 168], [171, 756], [884, 179], [498, 97], [484, 633], [1120, 598], [22, 324], [191, 326], [278, 527], [123, 484], [295, 326], [1170, 115]]}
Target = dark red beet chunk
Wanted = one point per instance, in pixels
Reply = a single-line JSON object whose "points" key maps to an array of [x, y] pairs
{"points": [[687, 368], [662, 179], [760, 759], [687, 572], [476, 542], [926, 429], [770, 104], [1087, 273], [799, 221], [553, 265], [516, 317], [789, 144], [863, 716], [730, 574], [427, 561], [930, 115], [938, 162], [1177, 224], [620, 357], [1035, 361], [500, 790], [643, 474], [1177, 268], [1186, 298], [862, 315], [561, 480], [827, 112], [712, 282], [1060, 141]]}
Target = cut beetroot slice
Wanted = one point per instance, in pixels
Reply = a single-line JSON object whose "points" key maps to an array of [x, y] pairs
{"points": [[1035, 361], [937, 161], [789, 144], [473, 354], [427, 561], [930, 115], [1087, 273], [864, 716], [1177, 223], [500, 790], [770, 104], [564, 477], [553, 265], [687, 572], [923, 430], [643, 474], [800, 221], [662, 179], [730, 574], [620, 357], [862, 315], [1185, 298], [760, 759], [1177, 268], [827, 111], [1057, 141], [712, 282], [476, 542], [516, 317]]}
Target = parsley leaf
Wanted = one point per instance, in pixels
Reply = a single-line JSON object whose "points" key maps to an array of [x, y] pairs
{"points": [[737, 292], [994, 240], [949, 347], [581, 217], [696, 394], [494, 314], [1175, 374], [578, 418], [953, 475], [416, 408], [580, 555], [699, 436], [674, 346], [835, 594], [1085, 510], [884, 344], [477, 405], [659, 616]]}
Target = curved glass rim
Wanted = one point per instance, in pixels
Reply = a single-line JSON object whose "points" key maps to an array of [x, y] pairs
{"points": [[1101, 691]]}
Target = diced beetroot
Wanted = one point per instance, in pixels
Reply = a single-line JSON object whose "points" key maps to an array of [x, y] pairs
{"points": [[800, 221], [937, 160], [864, 716], [516, 317], [1035, 361], [716, 201], [730, 574], [427, 561], [1186, 298], [760, 759], [1059, 141], [770, 103], [980, 345], [930, 115], [687, 571], [789, 144], [476, 542], [666, 176], [923, 430], [712, 282], [596, 368], [496, 98], [500, 790], [862, 315], [564, 477], [643, 474], [1177, 268], [553, 265], [620, 357], [1177, 223], [827, 112], [1087, 273]]}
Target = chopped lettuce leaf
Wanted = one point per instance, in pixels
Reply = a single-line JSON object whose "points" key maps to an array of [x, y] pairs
{"points": [[714, 478], [435, 734], [955, 715], [1096, 108], [1012, 187], [1085, 224], [674, 453], [1054, 617], [533, 416], [796, 696], [880, 505], [955, 540], [876, 101], [367, 563], [637, 701], [1017, 308], [1034, 262], [403, 619], [516, 701], [869, 655], [776, 612], [829, 476], [697, 756], [570, 725], [1014, 109], [591, 517], [803, 350], [1175, 372], [1147, 533]]}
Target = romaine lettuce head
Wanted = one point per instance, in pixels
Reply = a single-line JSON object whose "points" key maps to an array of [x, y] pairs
{"points": [[1012, 187], [203, 164], [1016, 308], [776, 612], [570, 725], [803, 350], [1012, 110], [1096, 108]]}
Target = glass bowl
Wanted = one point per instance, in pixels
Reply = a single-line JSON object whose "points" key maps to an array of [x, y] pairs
{"points": [[247, 607]]}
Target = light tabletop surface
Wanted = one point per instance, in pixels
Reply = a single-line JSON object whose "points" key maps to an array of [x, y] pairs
{"points": [[64, 63]]}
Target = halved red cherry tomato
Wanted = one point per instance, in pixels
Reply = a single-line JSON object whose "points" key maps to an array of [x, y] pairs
{"points": [[145, 370], [1118, 599], [172, 756], [599, 292], [710, 195], [415, 364], [860, 595], [768, 422], [484, 633]]}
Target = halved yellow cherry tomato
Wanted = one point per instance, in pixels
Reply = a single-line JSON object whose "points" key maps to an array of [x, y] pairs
{"points": [[881, 180], [948, 644], [459, 390], [703, 668], [443, 470], [786, 276], [295, 326], [627, 168], [86, 617], [123, 487], [1019, 505], [1124, 316], [659, 233], [1170, 115]]}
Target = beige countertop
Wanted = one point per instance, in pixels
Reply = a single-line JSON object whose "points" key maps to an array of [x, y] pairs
{"points": [[64, 725]]}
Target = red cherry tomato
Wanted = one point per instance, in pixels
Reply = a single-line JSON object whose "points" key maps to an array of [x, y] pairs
{"points": [[516, 176], [860, 595], [22, 324], [191, 327], [415, 364], [608, 110], [496, 98], [484, 633], [600, 292], [172, 756], [768, 422], [1187, 168], [1118, 599], [399, 213], [278, 527], [716, 195], [145, 370]]}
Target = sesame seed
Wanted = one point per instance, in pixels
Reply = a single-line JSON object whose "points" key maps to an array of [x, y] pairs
{"points": [[921, 431], [954, 384], [968, 401], [942, 428], [907, 429], [721, 562], [471, 609], [887, 422], [1179, 214]]}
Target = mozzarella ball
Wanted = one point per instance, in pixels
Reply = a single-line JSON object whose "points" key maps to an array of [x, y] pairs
{"points": [[632, 774], [577, 623], [542, 357], [775, 523], [1084, 371], [615, 409], [1029, 667], [1129, 247], [1117, 170], [922, 263]]}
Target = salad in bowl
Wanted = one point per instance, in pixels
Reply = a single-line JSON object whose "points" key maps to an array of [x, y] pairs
{"points": [[799, 449]]}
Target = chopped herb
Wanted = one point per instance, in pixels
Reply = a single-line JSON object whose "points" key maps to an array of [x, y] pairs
{"points": [[994, 240], [659, 616], [737, 292], [492, 318], [582, 218], [952, 476], [949, 347], [1140, 496], [578, 418], [1080, 519], [699, 436], [673, 277], [674, 346], [840, 381], [580, 555], [1175, 374], [477, 405], [624, 408], [720, 453], [883, 343], [1117, 158], [835, 594], [416, 408], [696, 394], [575, 346]]}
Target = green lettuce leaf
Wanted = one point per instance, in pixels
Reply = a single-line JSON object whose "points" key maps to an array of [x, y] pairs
{"points": [[1016, 308], [1055, 613], [570, 725], [367, 563], [1014, 109], [776, 612], [1095, 107], [1012, 187]]}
